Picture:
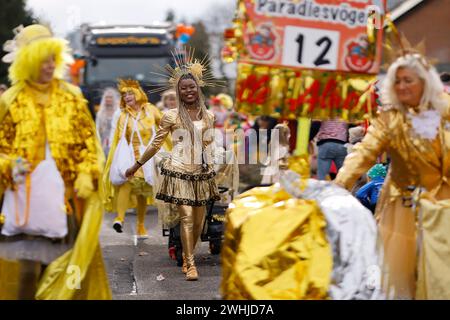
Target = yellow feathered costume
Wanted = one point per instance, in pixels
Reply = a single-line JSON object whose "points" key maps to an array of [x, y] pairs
{"points": [[30, 116]]}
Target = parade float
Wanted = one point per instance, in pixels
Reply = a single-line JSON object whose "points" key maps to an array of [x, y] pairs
{"points": [[299, 60]]}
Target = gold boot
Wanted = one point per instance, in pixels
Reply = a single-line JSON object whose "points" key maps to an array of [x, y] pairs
{"points": [[192, 274], [184, 268]]}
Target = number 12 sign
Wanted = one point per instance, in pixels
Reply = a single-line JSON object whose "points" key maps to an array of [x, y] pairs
{"points": [[311, 34], [310, 48]]}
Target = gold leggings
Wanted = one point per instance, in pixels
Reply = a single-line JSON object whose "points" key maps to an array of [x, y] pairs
{"points": [[123, 199], [192, 219]]}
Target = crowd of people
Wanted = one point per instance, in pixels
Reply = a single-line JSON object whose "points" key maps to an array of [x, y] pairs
{"points": [[60, 170]]}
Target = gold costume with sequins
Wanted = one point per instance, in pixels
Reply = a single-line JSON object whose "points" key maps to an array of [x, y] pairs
{"points": [[32, 115], [416, 163]]}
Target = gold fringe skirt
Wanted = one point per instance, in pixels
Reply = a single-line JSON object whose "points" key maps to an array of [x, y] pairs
{"points": [[189, 189]]}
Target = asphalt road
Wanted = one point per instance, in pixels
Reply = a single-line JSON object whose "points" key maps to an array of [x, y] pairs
{"points": [[143, 270]]}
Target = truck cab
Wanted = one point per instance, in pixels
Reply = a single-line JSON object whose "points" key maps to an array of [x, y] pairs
{"points": [[125, 51]]}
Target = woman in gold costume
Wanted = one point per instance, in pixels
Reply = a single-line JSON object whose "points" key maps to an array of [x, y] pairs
{"points": [[188, 175], [141, 120], [413, 126], [50, 166]]}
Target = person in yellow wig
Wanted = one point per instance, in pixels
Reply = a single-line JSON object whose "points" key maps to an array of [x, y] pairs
{"points": [[50, 167], [137, 123]]}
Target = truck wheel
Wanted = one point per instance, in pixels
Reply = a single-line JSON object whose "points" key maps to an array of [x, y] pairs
{"points": [[215, 246], [179, 255]]}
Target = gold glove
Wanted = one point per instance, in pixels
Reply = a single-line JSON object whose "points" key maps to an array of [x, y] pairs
{"points": [[84, 186]]}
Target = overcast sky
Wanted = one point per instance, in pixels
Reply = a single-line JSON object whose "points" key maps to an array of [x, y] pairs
{"points": [[65, 15]]}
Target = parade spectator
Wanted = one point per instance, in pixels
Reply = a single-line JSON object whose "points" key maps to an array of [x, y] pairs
{"points": [[271, 173], [368, 194], [169, 100], [331, 140], [264, 123], [220, 111], [355, 135], [104, 121]]}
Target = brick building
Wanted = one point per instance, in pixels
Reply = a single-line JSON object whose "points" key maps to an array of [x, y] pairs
{"points": [[425, 19]]}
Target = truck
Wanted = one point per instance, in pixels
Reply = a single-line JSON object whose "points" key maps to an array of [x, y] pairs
{"points": [[110, 52]]}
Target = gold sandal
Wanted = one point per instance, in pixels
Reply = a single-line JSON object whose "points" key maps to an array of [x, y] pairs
{"points": [[191, 274]]}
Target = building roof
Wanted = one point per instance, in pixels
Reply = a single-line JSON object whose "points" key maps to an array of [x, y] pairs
{"points": [[399, 7]]}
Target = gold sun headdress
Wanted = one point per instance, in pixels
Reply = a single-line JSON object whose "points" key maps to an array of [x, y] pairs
{"points": [[127, 85], [185, 63]]}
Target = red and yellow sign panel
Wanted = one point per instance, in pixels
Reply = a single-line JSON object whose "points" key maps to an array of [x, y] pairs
{"points": [[313, 34], [307, 58]]}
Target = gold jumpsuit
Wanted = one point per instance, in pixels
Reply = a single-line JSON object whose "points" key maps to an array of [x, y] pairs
{"points": [[416, 261]]}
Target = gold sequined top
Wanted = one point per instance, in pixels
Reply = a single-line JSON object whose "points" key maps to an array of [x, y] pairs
{"points": [[32, 114], [183, 156]]}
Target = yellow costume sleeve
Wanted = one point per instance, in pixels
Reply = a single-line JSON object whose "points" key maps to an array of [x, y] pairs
{"points": [[88, 136], [364, 154], [7, 133], [165, 126]]}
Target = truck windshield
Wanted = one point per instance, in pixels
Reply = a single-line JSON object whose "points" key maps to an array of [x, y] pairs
{"points": [[109, 69]]}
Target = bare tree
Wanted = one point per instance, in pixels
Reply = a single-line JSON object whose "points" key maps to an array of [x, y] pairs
{"points": [[217, 18]]}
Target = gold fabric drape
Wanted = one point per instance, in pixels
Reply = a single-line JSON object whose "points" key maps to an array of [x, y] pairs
{"points": [[275, 248]]}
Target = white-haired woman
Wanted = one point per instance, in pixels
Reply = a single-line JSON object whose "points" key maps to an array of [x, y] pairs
{"points": [[169, 100], [414, 128], [109, 105]]}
